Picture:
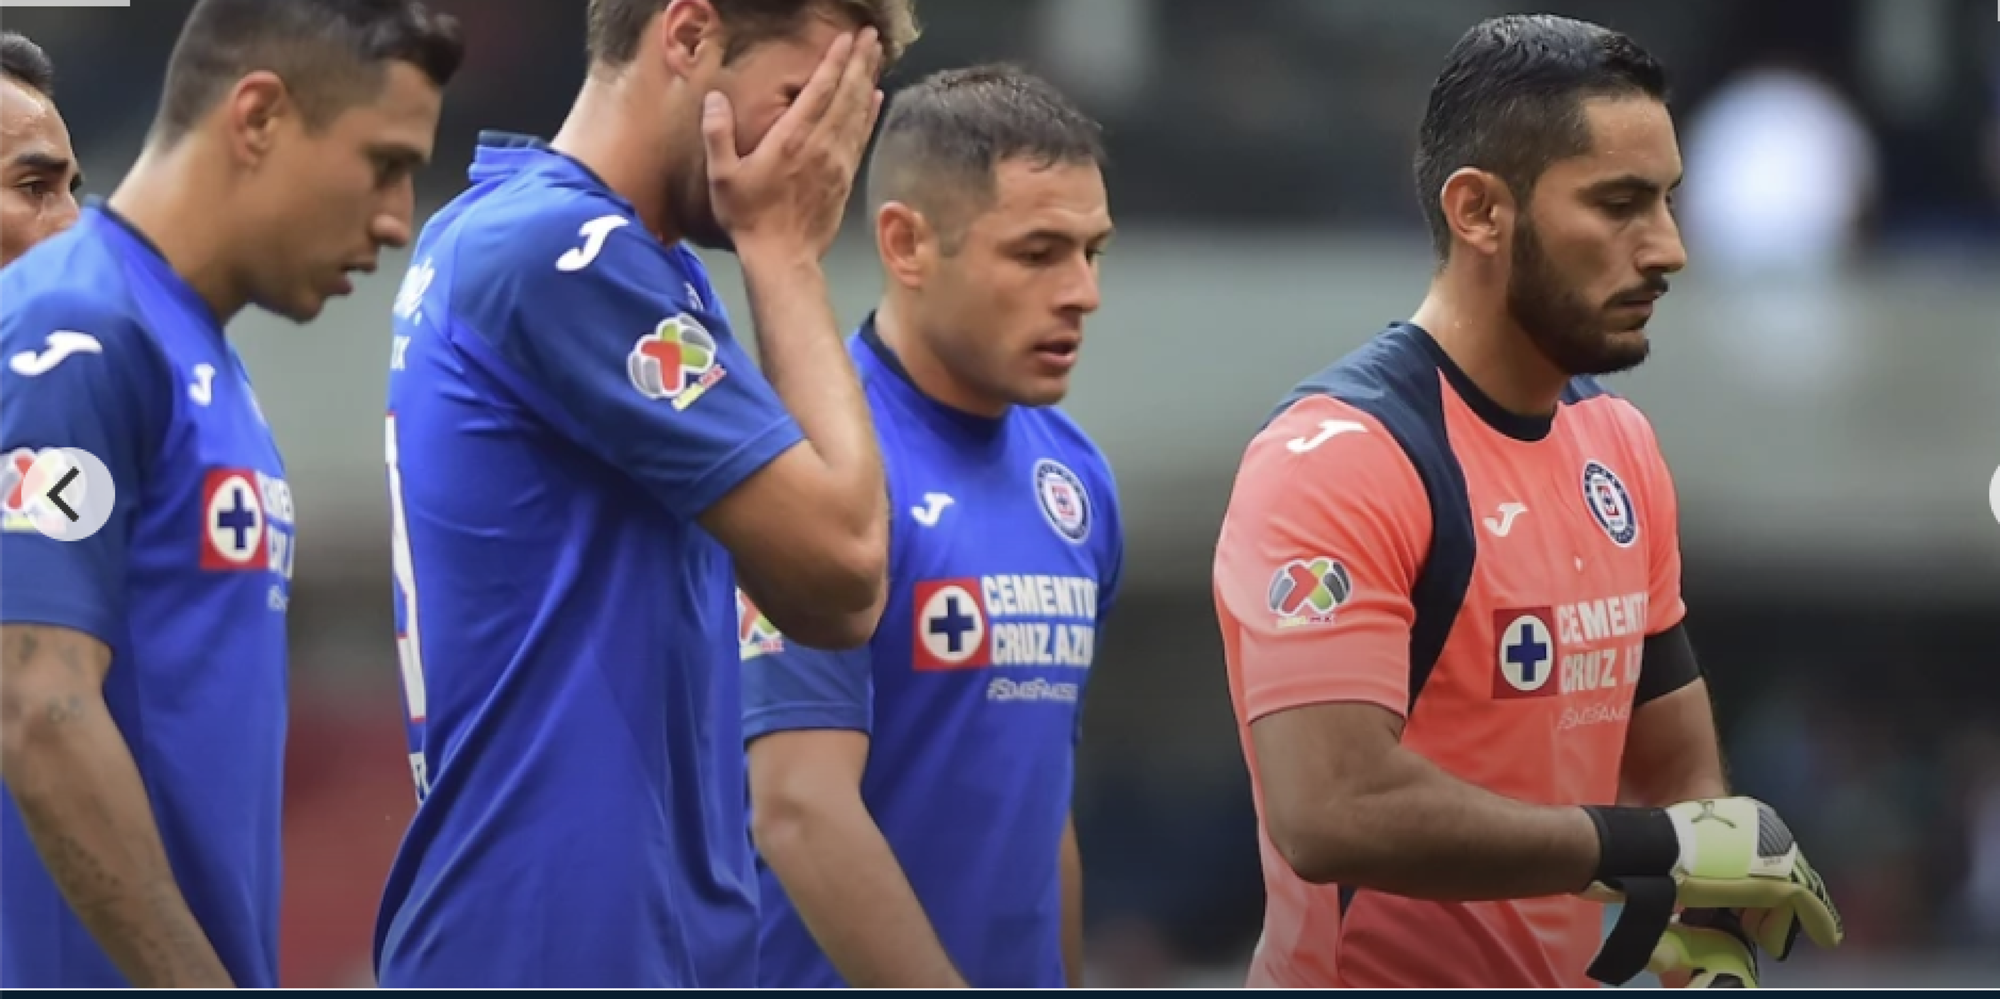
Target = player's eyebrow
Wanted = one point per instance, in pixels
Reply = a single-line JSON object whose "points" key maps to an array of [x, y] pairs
{"points": [[1631, 183], [1047, 235], [41, 162], [401, 157]]}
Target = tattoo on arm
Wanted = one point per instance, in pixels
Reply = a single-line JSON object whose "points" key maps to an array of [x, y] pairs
{"points": [[59, 707], [85, 806], [26, 645], [68, 707]]}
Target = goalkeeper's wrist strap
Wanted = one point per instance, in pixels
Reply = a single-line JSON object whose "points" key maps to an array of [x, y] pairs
{"points": [[1637, 850], [1634, 843]]}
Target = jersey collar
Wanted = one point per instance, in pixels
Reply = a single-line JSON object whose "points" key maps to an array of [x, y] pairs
{"points": [[1518, 426], [502, 154], [148, 253], [967, 424]]}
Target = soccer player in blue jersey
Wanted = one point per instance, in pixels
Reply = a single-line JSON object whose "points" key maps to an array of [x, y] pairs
{"points": [[143, 681], [911, 798], [579, 448]]}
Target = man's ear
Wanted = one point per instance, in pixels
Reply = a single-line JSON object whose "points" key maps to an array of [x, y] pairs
{"points": [[258, 106], [1479, 208], [906, 242], [685, 34]]}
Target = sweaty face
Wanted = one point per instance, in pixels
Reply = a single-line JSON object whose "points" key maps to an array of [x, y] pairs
{"points": [[1005, 312], [761, 83], [1593, 250], [38, 169], [330, 199]]}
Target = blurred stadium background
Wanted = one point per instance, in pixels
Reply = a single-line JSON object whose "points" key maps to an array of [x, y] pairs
{"points": [[1826, 383]]}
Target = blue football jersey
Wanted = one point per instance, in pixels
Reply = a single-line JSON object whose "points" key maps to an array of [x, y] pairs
{"points": [[109, 351], [565, 399], [1005, 552]]}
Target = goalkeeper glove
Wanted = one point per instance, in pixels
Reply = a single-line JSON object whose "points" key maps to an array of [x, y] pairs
{"points": [[1721, 853], [1704, 949]]}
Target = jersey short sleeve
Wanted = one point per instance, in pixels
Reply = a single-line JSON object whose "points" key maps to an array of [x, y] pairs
{"points": [[1112, 571], [1665, 605], [787, 686], [1316, 561], [79, 373], [598, 315], [1110, 575]]}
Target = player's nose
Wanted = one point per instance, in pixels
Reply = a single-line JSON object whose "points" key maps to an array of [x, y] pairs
{"points": [[391, 230], [1081, 292], [1663, 251], [395, 220]]}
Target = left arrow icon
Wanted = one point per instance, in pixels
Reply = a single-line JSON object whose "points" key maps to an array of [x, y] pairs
{"points": [[55, 494], [66, 495]]}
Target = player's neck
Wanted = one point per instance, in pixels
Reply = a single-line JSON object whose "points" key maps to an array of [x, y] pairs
{"points": [[928, 371], [600, 134], [166, 197], [1491, 349]]}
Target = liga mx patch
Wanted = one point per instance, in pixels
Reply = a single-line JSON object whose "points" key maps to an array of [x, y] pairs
{"points": [[1308, 591], [1525, 654], [1064, 503], [16, 513], [1604, 493], [755, 634], [677, 362], [951, 626]]}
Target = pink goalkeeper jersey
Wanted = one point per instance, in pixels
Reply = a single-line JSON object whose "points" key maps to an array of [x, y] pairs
{"points": [[1396, 538]]}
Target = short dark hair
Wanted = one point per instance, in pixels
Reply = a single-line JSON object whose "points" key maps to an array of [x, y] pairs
{"points": [[24, 62], [943, 136], [1510, 101], [329, 52], [615, 26]]}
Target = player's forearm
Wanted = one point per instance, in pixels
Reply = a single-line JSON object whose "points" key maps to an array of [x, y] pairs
{"points": [[841, 876], [83, 804], [1072, 906], [1416, 831], [1672, 753], [803, 354]]}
